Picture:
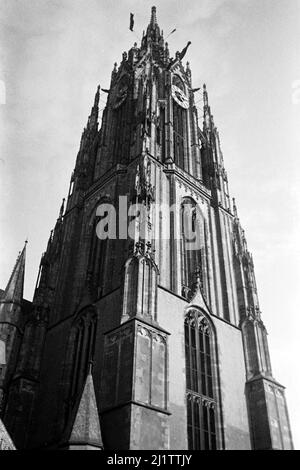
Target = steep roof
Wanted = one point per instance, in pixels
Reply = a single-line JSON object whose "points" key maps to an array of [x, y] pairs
{"points": [[86, 429], [5, 441]]}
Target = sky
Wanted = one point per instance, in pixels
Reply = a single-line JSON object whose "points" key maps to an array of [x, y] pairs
{"points": [[54, 53]]}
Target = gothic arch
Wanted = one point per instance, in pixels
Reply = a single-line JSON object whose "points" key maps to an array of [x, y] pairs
{"points": [[140, 270], [96, 254], [180, 136], [202, 381], [79, 356], [193, 256], [101, 199], [255, 346]]}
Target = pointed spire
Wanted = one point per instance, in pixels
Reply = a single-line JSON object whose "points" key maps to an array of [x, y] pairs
{"points": [[97, 96], [205, 95], [208, 119], [50, 240], [86, 429], [15, 287], [153, 20], [114, 73], [167, 52], [62, 208], [6, 442], [153, 34], [93, 118]]}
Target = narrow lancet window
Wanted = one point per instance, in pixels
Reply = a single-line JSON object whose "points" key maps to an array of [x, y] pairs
{"points": [[192, 249], [201, 400]]}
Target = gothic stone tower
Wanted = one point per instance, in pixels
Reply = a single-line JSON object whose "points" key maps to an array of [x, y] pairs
{"points": [[142, 342]]}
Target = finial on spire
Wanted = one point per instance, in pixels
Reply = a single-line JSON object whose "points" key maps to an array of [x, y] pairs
{"points": [[153, 20], [153, 34]]}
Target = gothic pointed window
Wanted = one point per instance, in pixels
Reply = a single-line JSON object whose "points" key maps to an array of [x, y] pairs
{"points": [[120, 120], [179, 126], [201, 395], [161, 133], [192, 246], [96, 263], [80, 353]]}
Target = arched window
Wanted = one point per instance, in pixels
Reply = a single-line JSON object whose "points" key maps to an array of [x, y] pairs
{"points": [[120, 121], [97, 263], [179, 128], [201, 399], [79, 355], [192, 246]]}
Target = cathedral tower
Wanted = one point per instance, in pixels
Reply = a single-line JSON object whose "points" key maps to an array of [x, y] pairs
{"points": [[148, 277]]}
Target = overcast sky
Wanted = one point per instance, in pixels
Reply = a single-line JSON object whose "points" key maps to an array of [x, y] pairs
{"points": [[54, 53]]}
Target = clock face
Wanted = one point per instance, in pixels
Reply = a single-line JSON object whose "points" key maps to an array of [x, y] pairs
{"points": [[122, 91], [180, 96]]}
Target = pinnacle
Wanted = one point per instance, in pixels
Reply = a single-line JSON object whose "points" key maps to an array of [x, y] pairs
{"points": [[153, 20], [153, 26], [14, 288]]}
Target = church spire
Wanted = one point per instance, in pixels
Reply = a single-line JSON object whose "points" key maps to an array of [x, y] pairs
{"points": [[15, 287], [153, 34], [93, 118], [208, 122], [153, 20]]}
